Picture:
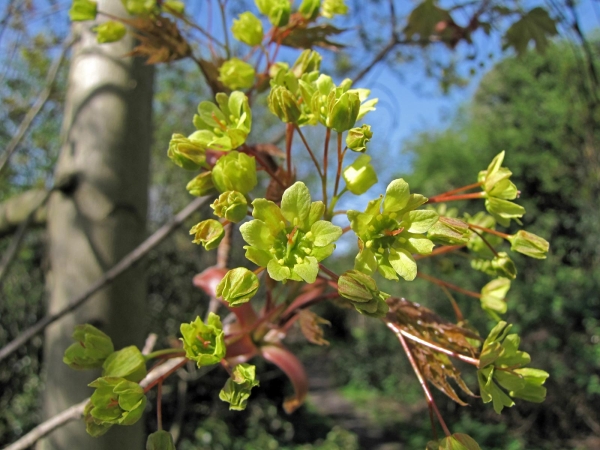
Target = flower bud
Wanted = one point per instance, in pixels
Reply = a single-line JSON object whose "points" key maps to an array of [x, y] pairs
{"points": [[333, 7], [127, 363], [82, 10], [284, 105], [310, 9], [110, 31], [248, 29], [201, 185], [343, 111], [90, 350], [173, 6], [139, 7], [231, 205], [235, 172], [237, 388], [208, 233], [357, 138], [117, 401], [308, 61], [204, 343], [236, 74], [238, 286], [493, 295], [360, 175], [529, 244], [362, 291], [186, 153], [278, 11], [160, 440]]}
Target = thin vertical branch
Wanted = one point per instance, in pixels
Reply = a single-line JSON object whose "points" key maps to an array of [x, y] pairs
{"points": [[423, 382], [159, 406], [325, 157], [340, 158], [289, 136]]}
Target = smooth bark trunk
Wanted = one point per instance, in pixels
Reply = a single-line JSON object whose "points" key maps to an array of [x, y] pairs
{"points": [[106, 135]]}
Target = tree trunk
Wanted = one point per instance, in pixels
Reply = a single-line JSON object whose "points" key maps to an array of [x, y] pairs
{"points": [[106, 145]]}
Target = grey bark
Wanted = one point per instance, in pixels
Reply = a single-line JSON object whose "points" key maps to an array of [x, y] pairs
{"points": [[15, 210], [106, 139]]}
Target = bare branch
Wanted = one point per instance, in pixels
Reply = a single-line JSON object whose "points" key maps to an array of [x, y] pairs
{"points": [[76, 411], [37, 105], [127, 262]]}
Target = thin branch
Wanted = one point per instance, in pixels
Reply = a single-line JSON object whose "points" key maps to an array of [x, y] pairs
{"points": [[37, 105], [76, 411], [312, 155], [431, 345], [127, 262], [454, 287]]}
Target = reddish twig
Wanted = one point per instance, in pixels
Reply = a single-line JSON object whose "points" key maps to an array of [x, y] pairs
{"points": [[448, 285]]}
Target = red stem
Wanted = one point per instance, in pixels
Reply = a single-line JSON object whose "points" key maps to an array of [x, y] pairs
{"points": [[439, 251], [449, 198], [423, 382], [159, 406], [460, 189], [331, 273], [340, 158], [166, 375], [289, 135], [485, 241], [448, 285], [325, 157], [490, 231]]}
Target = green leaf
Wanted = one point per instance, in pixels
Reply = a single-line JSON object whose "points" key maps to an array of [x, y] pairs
{"points": [[403, 263], [529, 244], [418, 244], [296, 204], [397, 195], [360, 175], [83, 10], [419, 221], [424, 18], [238, 286], [127, 363], [325, 233], [248, 29], [160, 440], [536, 25], [110, 31]]}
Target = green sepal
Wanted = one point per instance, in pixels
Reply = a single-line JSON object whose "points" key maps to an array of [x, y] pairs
{"points": [[493, 295], [419, 221], [236, 74], [116, 401], [331, 8], [503, 210], [397, 195], [308, 61], [83, 10], [204, 343], [235, 171], [295, 204], [248, 29], [238, 286], [186, 153], [278, 11], [209, 233], [363, 293], [283, 103], [458, 441], [160, 440], [357, 138], [110, 31], [127, 363], [309, 9], [231, 205], [139, 7], [529, 244], [500, 266], [201, 185], [449, 230], [91, 349], [360, 175], [342, 112], [237, 389], [93, 426]]}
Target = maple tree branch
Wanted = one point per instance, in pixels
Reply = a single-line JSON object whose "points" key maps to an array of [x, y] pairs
{"points": [[123, 265]]}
